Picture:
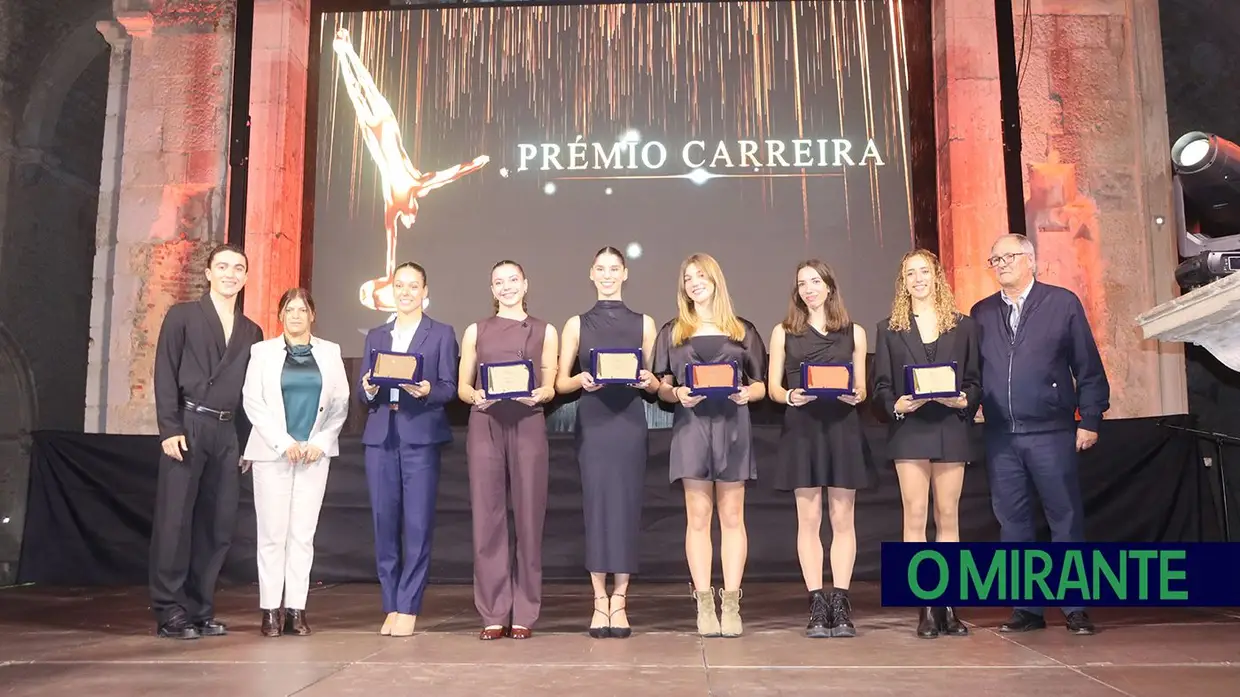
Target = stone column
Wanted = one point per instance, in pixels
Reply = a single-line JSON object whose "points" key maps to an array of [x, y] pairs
{"points": [[99, 351], [972, 198], [277, 155], [166, 201], [1096, 162]]}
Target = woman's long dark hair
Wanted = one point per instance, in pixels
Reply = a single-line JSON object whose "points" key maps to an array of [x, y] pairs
{"points": [[798, 314]]}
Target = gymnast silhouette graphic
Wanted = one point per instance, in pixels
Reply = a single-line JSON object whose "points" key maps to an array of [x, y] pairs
{"points": [[403, 184]]}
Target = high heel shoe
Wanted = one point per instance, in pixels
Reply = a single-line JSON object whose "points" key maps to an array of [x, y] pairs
{"points": [[386, 629], [604, 631], [619, 632]]}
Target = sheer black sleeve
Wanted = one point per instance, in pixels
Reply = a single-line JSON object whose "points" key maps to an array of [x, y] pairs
{"points": [[754, 364], [662, 364]]}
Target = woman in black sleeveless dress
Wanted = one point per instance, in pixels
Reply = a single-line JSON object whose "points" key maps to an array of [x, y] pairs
{"points": [[611, 438], [929, 439], [822, 444], [712, 446]]}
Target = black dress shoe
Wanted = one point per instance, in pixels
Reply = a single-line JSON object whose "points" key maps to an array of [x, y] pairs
{"points": [[295, 623], [949, 624], [819, 626], [1078, 623], [1023, 621], [927, 624], [211, 627], [177, 629]]}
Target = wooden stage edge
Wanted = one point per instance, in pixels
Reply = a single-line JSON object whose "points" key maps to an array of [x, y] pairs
{"points": [[69, 641]]}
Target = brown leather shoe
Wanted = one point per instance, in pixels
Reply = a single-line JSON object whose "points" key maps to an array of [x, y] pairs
{"points": [[520, 632], [295, 623], [272, 620], [492, 633]]}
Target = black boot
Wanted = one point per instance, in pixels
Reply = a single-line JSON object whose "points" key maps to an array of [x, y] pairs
{"points": [[819, 626], [295, 623], [272, 622], [949, 624], [841, 615], [928, 624]]}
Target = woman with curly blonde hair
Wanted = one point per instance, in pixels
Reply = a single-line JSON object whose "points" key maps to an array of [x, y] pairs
{"points": [[929, 438]]}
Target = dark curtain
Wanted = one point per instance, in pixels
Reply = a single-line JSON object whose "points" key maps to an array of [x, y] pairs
{"points": [[91, 498]]}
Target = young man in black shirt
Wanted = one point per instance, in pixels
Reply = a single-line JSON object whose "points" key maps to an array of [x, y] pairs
{"points": [[200, 364]]}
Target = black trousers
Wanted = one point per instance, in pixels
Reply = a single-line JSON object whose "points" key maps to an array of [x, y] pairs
{"points": [[195, 517]]}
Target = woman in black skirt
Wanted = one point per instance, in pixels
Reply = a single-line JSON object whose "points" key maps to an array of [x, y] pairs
{"points": [[929, 439], [611, 437], [822, 444]]}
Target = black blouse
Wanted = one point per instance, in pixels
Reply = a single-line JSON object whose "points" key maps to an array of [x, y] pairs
{"points": [[749, 353]]}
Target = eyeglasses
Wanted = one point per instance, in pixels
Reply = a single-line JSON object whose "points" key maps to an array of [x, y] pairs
{"points": [[1003, 259]]}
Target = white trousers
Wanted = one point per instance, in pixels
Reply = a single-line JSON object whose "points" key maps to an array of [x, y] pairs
{"points": [[287, 500]]}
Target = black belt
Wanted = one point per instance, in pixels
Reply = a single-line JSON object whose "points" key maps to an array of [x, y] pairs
{"points": [[187, 405]]}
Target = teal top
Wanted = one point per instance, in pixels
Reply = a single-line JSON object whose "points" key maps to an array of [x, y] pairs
{"points": [[302, 384]]}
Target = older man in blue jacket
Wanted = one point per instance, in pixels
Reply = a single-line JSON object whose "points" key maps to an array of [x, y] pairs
{"points": [[1040, 367]]}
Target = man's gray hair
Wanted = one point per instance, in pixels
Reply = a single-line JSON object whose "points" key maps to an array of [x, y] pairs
{"points": [[1026, 245]]}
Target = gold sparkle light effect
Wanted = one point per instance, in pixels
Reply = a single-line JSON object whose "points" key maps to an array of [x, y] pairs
{"points": [[752, 70]]}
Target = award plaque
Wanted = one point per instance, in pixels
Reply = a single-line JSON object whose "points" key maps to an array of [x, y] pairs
{"points": [[616, 366], [826, 379], [508, 380], [712, 379], [395, 369], [931, 380]]}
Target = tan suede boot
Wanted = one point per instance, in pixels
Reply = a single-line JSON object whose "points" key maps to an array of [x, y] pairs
{"points": [[707, 620], [730, 615]]}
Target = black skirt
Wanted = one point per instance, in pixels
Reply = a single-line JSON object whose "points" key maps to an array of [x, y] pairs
{"points": [[823, 444]]}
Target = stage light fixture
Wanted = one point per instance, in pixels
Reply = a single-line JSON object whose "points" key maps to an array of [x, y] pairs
{"points": [[1206, 183]]}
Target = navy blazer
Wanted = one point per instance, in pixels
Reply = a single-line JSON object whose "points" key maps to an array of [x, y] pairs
{"points": [[418, 421], [1038, 378]]}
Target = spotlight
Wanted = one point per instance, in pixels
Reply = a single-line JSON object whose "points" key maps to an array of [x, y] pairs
{"points": [[1207, 198]]}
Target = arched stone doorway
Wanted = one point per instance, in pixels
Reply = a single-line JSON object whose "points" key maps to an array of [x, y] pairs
{"points": [[18, 410], [47, 247]]}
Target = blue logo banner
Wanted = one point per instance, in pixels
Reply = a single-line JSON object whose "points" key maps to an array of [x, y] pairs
{"points": [[1057, 574]]}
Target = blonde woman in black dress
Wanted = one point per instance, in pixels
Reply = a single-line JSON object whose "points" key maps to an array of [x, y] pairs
{"points": [[822, 444], [929, 439], [611, 438], [711, 451]]}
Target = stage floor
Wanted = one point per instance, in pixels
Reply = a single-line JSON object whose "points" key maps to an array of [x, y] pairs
{"points": [[101, 641]]}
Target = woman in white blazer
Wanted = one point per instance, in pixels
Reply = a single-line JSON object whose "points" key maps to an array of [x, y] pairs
{"points": [[296, 395]]}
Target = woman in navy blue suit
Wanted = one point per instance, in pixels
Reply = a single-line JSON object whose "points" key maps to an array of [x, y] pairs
{"points": [[405, 429]]}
